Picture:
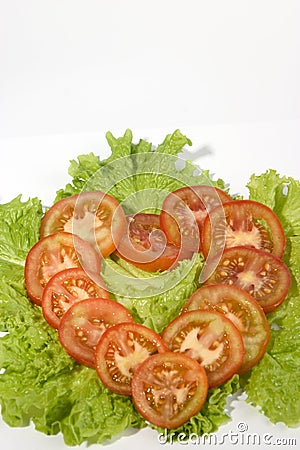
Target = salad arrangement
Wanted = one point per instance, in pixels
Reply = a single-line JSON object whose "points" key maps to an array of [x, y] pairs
{"points": [[174, 283]]}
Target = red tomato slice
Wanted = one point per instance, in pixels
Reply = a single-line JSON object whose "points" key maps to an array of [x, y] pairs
{"points": [[96, 217], [144, 244], [242, 222], [184, 211], [53, 254], [84, 323], [241, 308], [209, 338], [120, 350], [260, 273], [67, 287], [168, 389]]}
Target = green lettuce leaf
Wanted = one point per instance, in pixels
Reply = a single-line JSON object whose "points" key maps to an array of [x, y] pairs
{"points": [[282, 195], [19, 230], [80, 172], [137, 175], [153, 299], [274, 384]]}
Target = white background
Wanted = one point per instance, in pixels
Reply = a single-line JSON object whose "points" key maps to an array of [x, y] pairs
{"points": [[70, 65], [225, 72]]}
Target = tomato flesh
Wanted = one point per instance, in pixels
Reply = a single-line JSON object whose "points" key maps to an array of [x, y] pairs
{"points": [[241, 308], [260, 273], [67, 287], [242, 222], [53, 254], [84, 323], [94, 216], [168, 389], [119, 352], [184, 211], [144, 244], [209, 338]]}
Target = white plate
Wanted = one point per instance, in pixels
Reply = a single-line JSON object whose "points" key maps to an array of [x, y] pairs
{"points": [[38, 167]]}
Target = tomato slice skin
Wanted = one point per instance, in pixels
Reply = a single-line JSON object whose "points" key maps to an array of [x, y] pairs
{"points": [[84, 323], [169, 388], [144, 244], [241, 308], [236, 223], [120, 350], [95, 216], [67, 287], [209, 338], [54, 253], [262, 274], [184, 211]]}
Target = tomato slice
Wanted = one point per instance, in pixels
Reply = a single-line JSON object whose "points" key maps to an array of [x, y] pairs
{"points": [[120, 350], [145, 246], [96, 217], [84, 323], [168, 389], [242, 222], [260, 273], [209, 338], [53, 254], [183, 213], [241, 308], [67, 287]]}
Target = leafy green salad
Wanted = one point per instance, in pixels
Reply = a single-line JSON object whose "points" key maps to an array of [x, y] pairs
{"points": [[41, 383]]}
